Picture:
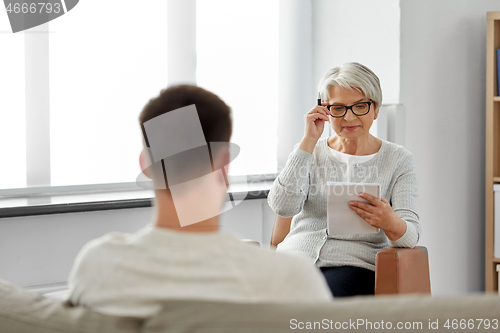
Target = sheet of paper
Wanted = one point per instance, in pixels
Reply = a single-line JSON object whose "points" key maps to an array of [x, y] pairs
{"points": [[341, 219]]}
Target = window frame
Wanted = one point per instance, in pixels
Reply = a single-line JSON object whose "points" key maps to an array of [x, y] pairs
{"points": [[181, 69], [296, 94]]}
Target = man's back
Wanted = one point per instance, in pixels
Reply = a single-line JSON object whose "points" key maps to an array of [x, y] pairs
{"points": [[132, 274]]}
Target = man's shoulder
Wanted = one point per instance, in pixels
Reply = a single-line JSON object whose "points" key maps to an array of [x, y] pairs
{"points": [[293, 262], [287, 276], [111, 241], [103, 254], [275, 260], [113, 238]]}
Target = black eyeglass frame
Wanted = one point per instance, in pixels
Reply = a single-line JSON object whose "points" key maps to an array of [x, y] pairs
{"points": [[347, 108]]}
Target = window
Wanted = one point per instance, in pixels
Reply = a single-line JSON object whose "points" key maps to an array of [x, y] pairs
{"points": [[104, 65], [237, 52], [12, 116], [103, 71]]}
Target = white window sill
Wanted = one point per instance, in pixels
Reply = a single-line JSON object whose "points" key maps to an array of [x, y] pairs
{"points": [[75, 199]]}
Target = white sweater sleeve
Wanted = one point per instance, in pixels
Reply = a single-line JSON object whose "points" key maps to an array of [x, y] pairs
{"points": [[289, 190], [404, 204]]}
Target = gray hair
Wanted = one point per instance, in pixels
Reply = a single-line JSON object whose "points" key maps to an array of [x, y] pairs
{"points": [[352, 75]]}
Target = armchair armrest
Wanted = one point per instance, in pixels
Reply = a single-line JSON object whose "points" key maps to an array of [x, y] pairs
{"points": [[402, 271]]}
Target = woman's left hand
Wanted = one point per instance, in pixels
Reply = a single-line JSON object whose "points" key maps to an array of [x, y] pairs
{"points": [[379, 214]]}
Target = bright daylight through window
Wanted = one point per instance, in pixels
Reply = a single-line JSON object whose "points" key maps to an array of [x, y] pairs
{"points": [[237, 53], [101, 73], [12, 117]]}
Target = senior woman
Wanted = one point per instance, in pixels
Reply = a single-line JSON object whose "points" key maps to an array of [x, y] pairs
{"points": [[351, 98]]}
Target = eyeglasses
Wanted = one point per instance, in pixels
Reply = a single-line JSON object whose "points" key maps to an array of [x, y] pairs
{"points": [[359, 109]]}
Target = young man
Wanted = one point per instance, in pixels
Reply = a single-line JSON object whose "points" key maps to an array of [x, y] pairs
{"points": [[183, 255]]}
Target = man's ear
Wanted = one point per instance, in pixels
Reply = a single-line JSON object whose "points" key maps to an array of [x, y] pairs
{"points": [[144, 163], [222, 159]]}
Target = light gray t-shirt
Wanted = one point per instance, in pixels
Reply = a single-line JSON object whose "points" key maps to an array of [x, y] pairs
{"points": [[133, 274]]}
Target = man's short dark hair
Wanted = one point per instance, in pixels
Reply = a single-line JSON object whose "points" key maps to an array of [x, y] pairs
{"points": [[216, 123], [214, 114]]}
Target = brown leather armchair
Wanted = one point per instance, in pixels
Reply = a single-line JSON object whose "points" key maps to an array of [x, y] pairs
{"points": [[397, 270]]}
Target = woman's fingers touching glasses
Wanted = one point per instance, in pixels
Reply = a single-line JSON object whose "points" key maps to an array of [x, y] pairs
{"points": [[322, 110], [314, 125]]}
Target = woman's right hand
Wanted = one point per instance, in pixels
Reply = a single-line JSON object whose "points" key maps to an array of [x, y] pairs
{"points": [[315, 123]]}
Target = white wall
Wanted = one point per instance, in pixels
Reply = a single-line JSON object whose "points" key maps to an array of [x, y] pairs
{"points": [[443, 90], [363, 31]]}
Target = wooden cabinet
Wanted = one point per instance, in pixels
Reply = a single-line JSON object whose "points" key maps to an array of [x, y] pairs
{"points": [[492, 145]]}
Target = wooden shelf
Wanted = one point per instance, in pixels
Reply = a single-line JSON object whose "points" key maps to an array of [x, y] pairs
{"points": [[492, 147]]}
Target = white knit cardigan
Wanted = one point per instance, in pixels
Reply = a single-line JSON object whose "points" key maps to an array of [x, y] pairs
{"points": [[300, 191]]}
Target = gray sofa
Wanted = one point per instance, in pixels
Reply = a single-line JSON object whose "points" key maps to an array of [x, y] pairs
{"points": [[23, 311]]}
